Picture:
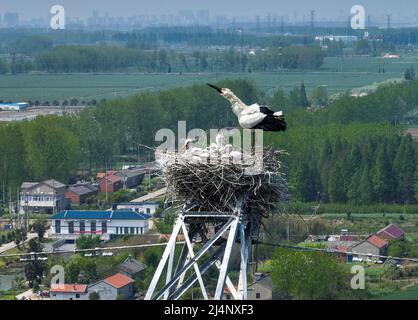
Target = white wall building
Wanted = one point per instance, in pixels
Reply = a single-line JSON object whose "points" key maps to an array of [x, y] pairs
{"points": [[47, 196], [69, 292], [148, 207], [70, 224], [13, 106]]}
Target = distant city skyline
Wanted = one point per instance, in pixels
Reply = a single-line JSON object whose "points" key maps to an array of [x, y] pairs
{"points": [[325, 9], [198, 11]]}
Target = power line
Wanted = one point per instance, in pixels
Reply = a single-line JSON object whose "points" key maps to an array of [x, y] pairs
{"points": [[84, 250], [335, 251]]}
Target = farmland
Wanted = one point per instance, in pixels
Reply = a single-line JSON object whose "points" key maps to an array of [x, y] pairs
{"points": [[338, 74], [411, 293]]}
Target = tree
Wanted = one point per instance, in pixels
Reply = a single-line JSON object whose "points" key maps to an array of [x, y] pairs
{"points": [[72, 271], [87, 242], [383, 181], [410, 73], [319, 97], [366, 187], [303, 97], [40, 227], [152, 257], [34, 270], [302, 183], [94, 296], [362, 47], [34, 246], [336, 189], [307, 275]]}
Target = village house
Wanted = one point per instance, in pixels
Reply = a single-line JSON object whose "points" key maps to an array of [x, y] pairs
{"points": [[78, 193], [70, 224], [261, 289], [117, 286], [148, 207], [131, 267], [45, 197], [110, 183], [68, 292], [374, 245], [391, 232], [131, 178]]}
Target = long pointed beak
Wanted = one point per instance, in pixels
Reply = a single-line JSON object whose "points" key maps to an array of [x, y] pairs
{"points": [[215, 87]]}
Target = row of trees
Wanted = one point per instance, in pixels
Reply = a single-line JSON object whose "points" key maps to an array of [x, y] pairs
{"points": [[103, 58], [363, 168], [349, 151]]}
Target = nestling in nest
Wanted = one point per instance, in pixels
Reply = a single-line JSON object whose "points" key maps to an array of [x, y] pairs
{"points": [[214, 182]]}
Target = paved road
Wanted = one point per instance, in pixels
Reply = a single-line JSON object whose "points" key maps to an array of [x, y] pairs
{"points": [[12, 245], [151, 195]]}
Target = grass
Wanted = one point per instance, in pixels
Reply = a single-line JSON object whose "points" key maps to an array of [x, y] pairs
{"points": [[410, 293], [338, 74]]}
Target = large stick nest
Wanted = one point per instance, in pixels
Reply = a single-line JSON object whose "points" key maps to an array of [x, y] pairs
{"points": [[217, 185]]}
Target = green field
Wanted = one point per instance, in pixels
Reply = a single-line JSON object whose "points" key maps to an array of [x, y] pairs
{"points": [[409, 294], [338, 74]]}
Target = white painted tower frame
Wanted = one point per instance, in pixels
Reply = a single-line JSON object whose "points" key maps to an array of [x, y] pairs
{"points": [[216, 250]]}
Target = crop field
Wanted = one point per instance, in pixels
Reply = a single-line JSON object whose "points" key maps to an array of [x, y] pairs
{"points": [[338, 74], [409, 294]]}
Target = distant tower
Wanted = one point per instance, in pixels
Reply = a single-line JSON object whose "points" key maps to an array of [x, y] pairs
{"points": [[312, 18], [369, 21], [281, 25], [258, 23], [389, 18]]}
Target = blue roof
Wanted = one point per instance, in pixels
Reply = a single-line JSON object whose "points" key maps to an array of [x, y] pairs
{"points": [[100, 215]]}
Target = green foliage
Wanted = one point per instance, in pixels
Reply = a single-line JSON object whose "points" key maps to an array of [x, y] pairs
{"points": [[362, 47], [34, 270], [81, 270], [94, 296], [319, 97], [39, 227], [402, 248], [409, 73], [165, 226], [87, 242], [308, 275], [152, 257]]}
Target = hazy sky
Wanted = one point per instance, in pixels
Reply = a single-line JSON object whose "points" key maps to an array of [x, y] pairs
{"points": [[324, 8]]}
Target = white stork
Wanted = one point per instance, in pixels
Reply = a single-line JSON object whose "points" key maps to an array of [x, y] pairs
{"points": [[253, 116]]}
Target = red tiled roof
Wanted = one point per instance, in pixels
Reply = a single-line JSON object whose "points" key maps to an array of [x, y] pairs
{"points": [[100, 175], [342, 248], [392, 231], [118, 280], [377, 242], [112, 178], [69, 288], [167, 236], [348, 238]]}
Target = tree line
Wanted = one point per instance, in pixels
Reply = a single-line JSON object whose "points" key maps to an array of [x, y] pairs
{"points": [[105, 58], [352, 150]]}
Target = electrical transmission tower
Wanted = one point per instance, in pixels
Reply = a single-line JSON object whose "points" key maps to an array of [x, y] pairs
{"points": [[389, 20], [312, 18], [217, 235]]}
